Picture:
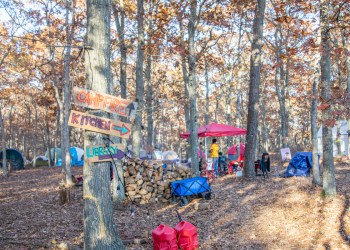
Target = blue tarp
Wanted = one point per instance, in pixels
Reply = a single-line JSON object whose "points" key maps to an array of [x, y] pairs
{"points": [[300, 165], [76, 158], [76, 155], [190, 186]]}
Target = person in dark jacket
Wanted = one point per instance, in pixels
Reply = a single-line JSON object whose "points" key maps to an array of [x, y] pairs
{"points": [[265, 164]]}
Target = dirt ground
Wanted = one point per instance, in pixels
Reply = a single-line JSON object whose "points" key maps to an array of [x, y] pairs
{"points": [[275, 213]]}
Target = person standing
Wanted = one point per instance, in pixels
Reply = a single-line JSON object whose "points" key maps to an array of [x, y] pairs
{"points": [[214, 153]]}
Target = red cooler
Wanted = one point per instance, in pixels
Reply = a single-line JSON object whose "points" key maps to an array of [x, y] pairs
{"points": [[187, 237], [164, 238]]}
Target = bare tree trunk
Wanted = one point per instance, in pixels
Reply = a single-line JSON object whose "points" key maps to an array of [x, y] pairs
{"points": [[280, 85], [329, 185], [149, 100], [238, 114], [99, 229], [229, 112], [264, 135], [65, 145], [254, 83], [207, 114], [192, 86], [119, 16], [185, 75], [136, 130], [11, 143], [315, 167], [216, 108], [3, 143], [47, 139], [346, 45], [56, 135], [155, 141], [35, 132]]}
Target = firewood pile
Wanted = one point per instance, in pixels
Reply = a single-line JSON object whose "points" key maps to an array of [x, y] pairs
{"points": [[147, 181]]}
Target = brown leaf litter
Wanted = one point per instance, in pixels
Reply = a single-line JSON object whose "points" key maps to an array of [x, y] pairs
{"points": [[275, 213]]}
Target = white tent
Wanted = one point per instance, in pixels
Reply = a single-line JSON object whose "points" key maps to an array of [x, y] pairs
{"points": [[341, 127], [170, 156]]}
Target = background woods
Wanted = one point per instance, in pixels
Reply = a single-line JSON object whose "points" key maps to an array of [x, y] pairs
{"points": [[186, 62], [278, 69]]}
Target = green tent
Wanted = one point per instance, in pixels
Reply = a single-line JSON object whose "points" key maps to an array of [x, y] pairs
{"points": [[52, 151], [14, 158]]}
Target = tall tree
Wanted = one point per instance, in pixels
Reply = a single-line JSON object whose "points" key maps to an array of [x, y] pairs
{"points": [[140, 87], [100, 231], [346, 45], [254, 83], [3, 144], [281, 83], [315, 167], [65, 145], [119, 17], [325, 63], [192, 85]]}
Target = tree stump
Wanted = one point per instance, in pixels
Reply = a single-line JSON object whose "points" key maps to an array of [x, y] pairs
{"points": [[64, 194]]}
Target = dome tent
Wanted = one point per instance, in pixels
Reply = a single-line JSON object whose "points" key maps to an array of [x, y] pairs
{"points": [[14, 157], [52, 152], [40, 161], [169, 156], [300, 165], [76, 154]]}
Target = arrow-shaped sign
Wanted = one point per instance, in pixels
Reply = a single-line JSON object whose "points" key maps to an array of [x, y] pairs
{"points": [[121, 129], [99, 124]]}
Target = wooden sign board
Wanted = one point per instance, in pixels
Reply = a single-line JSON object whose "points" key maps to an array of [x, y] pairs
{"points": [[99, 124], [100, 153], [112, 104]]}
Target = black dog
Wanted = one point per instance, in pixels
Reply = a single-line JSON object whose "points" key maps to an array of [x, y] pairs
{"points": [[265, 164]]}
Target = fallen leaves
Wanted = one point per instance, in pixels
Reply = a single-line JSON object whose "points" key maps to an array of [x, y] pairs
{"points": [[274, 213]]}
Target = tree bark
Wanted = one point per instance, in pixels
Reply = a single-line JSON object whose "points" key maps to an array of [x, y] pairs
{"points": [[281, 79], [47, 138], [185, 76], [11, 143], [136, 130], [35, 129], [192, 86], [216, 108], [56, 135], [99, 228], [263, 134], [316, 179], [329, 185], [3, 143], [149, 101], [346, 45], [207, 114], [65, 145], [119, 16], [254, 83], [238, 114]]}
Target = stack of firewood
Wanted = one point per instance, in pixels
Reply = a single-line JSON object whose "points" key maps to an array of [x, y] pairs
{"points": [[148, 181]]}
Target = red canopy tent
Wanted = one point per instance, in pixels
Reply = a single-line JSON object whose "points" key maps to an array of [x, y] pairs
{"points": [[216, 130]]}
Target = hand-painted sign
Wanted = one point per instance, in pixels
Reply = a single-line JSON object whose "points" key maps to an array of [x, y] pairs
{"points": [[99, 124], [100, 153], [112, 104]]}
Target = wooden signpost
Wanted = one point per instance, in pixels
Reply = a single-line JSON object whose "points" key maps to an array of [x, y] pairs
{"points": [[100, 153], [99, 124], [112, 104]]}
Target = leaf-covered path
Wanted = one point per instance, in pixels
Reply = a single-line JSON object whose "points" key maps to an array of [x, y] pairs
{"points": [[259, 214]]}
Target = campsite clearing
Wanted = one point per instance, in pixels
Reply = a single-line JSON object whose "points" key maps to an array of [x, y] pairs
{"points": [[275, 213]]}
